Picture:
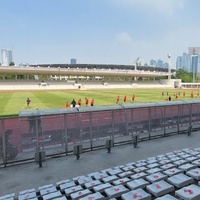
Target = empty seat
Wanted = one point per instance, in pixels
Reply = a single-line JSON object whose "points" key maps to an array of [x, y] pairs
{"points": [[67, 185], [166, 197], [187, 167], [71, 190], [172, 171], [116, 191], [180, 180], [110, 179], [138, 194], [48, 190], [27, 191], [80, 194], [121, 181], [93, 196], [93, 183], [160, 188], [102, 187], [191, 192], [8, 196], [139, 175], [194, 173], [137, 183], [27, 196], [52, 195], [156, 177]]}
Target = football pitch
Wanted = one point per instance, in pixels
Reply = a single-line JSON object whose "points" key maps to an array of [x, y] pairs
{"points": [[14, 101]]}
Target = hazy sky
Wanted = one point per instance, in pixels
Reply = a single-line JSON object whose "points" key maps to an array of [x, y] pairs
{"points": [[98, 31]]}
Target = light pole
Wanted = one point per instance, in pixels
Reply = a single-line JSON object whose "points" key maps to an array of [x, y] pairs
{"points": [[169, 66]]}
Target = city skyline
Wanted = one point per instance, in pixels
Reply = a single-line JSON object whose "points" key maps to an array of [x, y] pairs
{"points": [[101, 32]]}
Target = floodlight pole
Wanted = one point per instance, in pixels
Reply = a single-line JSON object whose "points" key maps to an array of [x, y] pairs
{"points": [[169, 66]]}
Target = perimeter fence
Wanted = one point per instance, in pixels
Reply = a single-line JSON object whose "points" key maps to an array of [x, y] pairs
{"points": [[57, 131]]}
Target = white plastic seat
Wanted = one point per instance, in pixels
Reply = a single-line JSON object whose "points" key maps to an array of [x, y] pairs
{"points": [[91, 184], [45, 186], [191, 192], [121, 181], [194, 173], [125, 174], [153, 170], [139, 175], [7, 196], [102, 187], [52, 195], [137, 183], [160, 188], [48, 190], [187, 167], [167, 166], [100, 175], [27, 196], [180, 180], [196, 162], [138, 194], [67, 185], [62, 182], [84, 180], [74, 189], [153, 165], [166, 197], [116, 191], [156, 177], [93, 196], [110, 179], [80, 194], [172, 171], [180, 162], [27, 191], [140, 169], [128, 168]]}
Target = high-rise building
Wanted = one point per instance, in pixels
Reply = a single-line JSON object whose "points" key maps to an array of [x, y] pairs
{"points": [[6, 56], [73, 61]]}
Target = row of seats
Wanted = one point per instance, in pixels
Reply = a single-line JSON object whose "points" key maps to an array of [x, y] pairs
{"points": [[170, 176]]}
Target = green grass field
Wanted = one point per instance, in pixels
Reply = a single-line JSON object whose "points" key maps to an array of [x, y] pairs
{"points": [[13, 102]]}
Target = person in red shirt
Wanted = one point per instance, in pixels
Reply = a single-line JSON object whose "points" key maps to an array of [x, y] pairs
{"points": [[79, 102], [192, 94], [125, 99], [86, 101], [92, 102], [67, 105], [117, 99], [133, 98]]}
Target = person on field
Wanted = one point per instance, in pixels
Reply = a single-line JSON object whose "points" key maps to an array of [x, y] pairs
{"points": [[73, 103], [92, 102], [133, 98], [125, 99], [79, 102], [28, 101], [86, 101], [117, 99], [67, 105]]}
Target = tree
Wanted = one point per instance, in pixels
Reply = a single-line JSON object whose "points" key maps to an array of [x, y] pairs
{"points": [[12, 64], [184, 76]]}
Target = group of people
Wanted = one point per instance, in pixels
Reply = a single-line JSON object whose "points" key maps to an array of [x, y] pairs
{"points": [[79, 103], [125, 98], [178, 94]]}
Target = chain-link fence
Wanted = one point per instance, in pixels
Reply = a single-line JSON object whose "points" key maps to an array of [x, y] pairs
{"points": [[57, 131]]}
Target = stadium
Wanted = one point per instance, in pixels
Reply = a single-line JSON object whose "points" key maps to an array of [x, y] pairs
{"points": [[120, 151]]}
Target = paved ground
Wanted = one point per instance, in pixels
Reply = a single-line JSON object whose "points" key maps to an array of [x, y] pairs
{"points": [[26, 176]]}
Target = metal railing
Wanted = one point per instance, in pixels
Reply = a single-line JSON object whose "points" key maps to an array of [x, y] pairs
{"points": [[57, 131]]}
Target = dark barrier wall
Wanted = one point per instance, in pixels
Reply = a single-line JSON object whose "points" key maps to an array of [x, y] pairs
{"points": [[57, 130]]}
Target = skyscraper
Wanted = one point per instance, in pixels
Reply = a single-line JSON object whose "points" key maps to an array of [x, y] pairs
{"points": [[6, 56]]}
